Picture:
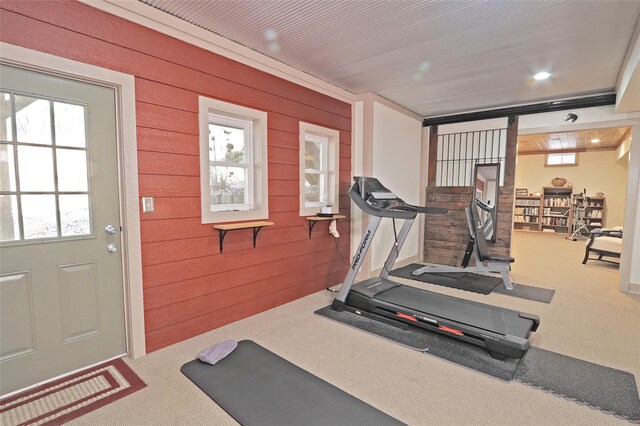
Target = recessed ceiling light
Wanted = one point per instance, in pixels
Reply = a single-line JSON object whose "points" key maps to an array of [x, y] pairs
{"points": [[596, 140], [542, 75]]}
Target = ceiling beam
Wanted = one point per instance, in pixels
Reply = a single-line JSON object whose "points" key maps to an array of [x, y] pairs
{"points": [[575, 103]]}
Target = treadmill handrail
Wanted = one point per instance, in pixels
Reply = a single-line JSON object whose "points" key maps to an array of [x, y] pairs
{"points": [[406, 211]]}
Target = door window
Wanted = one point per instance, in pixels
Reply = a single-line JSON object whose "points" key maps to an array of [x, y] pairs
{"points": [[44, 185]]}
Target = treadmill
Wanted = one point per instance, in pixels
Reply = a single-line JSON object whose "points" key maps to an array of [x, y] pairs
{"points": [[503, 332]]}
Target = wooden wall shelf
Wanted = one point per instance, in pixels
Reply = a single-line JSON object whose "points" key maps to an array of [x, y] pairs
{"points": [[257, 226], [315, 219]]}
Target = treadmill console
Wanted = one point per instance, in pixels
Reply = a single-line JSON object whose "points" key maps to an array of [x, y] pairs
{"points": [[375, 199]]}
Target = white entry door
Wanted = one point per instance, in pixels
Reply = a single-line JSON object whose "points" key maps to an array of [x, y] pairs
{"points": [[61, 292]]}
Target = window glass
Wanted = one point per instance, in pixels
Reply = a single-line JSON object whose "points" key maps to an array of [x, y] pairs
{"points": [[69, 125], [33, 120], [9, 220], [561, 159], [7, 169], [318, 168], [39, 216], [316, 173], [226, 144], [35, 165], [6, 112]]}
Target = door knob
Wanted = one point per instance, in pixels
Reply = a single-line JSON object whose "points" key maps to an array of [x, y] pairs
{"points": [[112, 248], [110, 229]]}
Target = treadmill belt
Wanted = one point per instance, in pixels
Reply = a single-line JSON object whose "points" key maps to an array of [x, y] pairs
{"points": [[607, 389], [257, 387]]}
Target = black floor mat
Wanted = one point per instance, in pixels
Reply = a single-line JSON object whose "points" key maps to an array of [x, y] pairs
{"points": [[607, 389], [523, 291], [475, 283], [257, 387]]}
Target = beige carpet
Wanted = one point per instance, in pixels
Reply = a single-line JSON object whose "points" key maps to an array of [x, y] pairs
{"points": [[588, 319]]}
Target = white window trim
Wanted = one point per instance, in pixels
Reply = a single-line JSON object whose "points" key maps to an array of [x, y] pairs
{"points": [[258, 172], [333, 166]]}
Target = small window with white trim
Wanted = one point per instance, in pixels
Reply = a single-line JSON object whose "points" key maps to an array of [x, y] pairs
{"points": [[319, 169], [562, 159], [233, 162]]}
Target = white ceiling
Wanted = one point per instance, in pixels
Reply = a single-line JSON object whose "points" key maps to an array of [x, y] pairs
{"points": [[433, 57]]}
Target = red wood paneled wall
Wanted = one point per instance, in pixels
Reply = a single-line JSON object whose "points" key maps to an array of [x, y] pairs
{"points": [[190, 288]]}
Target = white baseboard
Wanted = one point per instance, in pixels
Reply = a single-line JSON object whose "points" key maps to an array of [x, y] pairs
{"points": [[634, 288]]}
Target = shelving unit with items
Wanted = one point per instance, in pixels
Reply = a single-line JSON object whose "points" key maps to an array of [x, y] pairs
{"points": [[556, 209], [594, 211], [527, 213]]}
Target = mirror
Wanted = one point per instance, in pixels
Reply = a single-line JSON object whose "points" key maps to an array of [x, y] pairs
{"points": [[486, 185]]}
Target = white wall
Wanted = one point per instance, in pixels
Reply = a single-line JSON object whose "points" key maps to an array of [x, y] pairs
{"points": [[597, 171], [397, 144]]}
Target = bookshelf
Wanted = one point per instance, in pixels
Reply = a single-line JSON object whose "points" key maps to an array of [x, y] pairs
{"points": [[556, 209], [527, 213]]}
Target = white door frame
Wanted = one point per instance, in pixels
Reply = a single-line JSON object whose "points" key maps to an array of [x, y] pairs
{"points": [[124, 86]]}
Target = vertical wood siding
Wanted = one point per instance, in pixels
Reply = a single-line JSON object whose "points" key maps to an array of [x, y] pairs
{"points": [[446, 236], [189, 288]]}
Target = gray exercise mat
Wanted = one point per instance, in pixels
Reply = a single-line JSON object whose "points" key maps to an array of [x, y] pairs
{"points": [[466, 281], [523, 291], [607, 389], [257, 387]]}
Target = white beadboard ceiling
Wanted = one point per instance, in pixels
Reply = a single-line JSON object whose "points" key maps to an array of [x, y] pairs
{"points": [[433, 57]]}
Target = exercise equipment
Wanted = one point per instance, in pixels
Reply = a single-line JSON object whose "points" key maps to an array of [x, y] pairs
{"points": [[503, 332], [477, 244], [580, 229]]}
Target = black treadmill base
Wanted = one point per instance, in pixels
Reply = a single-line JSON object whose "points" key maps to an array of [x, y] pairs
{"points": [[503, 332], [465, 354]]}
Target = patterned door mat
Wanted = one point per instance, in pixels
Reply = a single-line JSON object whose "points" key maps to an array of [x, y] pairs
{"points": [[65, 399]]}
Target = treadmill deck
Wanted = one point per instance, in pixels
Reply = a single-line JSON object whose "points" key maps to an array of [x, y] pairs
{"points": [[440, 306]]}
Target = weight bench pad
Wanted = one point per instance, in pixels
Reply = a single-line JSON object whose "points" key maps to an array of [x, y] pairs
{"points": [[257, 387]]}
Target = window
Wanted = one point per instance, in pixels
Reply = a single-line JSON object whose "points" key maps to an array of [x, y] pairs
{"points": [[564, 159], [319, 160], [44, 185], [233, 162]]}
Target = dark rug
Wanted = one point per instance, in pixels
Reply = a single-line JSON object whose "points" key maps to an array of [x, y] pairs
{"points": [[475, 283], [523, 291], [607, 389]]}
